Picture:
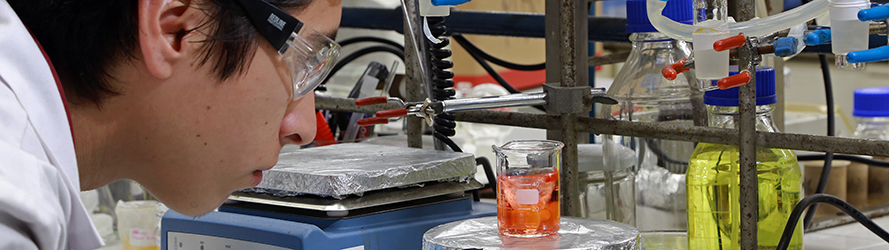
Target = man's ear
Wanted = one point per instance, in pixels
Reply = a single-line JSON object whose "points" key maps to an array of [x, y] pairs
{"points": [[162, 29]]}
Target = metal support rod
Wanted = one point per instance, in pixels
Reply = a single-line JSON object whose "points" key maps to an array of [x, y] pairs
{"points": [[414, 81], [608, 59], [682, 133], [748, 183], [661, 131], [566, 38], [513, 100], [348, 105]]}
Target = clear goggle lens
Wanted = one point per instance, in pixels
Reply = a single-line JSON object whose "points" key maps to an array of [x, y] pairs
{"points": [[310, 56]]}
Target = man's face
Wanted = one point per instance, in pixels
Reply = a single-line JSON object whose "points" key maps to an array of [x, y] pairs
{"points": [[205, 138]]}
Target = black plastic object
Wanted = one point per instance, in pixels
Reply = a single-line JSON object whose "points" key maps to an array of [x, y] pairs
{"points": [[274, 24], [442, 83]]}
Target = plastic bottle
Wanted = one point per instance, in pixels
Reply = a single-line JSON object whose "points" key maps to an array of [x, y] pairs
{"points": [[645, 96], [871, 110], [712, 178]]}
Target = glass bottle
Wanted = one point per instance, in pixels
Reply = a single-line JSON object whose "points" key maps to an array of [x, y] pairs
{"points": [[871, 110], [712, 178], [644, 95]]}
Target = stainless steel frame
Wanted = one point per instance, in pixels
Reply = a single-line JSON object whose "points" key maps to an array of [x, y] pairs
{"points": [[566, 64]]}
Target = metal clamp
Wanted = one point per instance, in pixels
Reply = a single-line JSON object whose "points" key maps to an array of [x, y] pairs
{"points": [[567, 100]]}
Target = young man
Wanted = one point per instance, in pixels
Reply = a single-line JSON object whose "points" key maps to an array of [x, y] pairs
{"points": [[184, 96]]}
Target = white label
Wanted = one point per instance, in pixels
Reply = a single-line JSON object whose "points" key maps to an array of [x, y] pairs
{"points": [[187, 241], [527, 196], [143, 238], [354, 248]]}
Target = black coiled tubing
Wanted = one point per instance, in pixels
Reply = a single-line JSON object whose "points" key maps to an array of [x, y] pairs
{"points": [[442, 83]]}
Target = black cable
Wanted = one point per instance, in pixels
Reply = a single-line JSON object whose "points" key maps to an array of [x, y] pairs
{"points": [[489, 172], [852, 158], [836, 202], [448, 141], [481, 61], [351, 57], [471, 48], [361, 39], [831, 131], [444, 124], [494, 74]]}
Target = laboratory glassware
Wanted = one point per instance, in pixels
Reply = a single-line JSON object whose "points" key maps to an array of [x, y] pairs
{"points": [[605, 193], [847, 33], [871, 110], [528, 187], [644, 95], [713, 177]]}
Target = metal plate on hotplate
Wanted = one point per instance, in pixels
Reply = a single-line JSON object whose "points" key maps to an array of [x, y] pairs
{"points": [[346, 169], [369, 199]]}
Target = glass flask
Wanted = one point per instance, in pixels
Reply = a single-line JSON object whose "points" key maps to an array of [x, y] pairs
{"points": [[713, 177], [644, 95]]}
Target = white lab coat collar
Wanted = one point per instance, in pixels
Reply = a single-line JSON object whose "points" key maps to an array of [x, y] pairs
{"points": [[39, 96]]}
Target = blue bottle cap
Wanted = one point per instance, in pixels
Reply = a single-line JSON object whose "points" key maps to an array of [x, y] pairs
{"points": [[637, 17], [871, 102], [765, 90]]}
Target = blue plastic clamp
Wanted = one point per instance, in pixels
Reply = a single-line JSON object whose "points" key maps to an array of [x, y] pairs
{"points": [[817, 37], [786, 46], [871, 55], [449, 2], [875, 13]]}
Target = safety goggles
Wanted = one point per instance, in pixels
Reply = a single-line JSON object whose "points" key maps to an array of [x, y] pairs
{"points": [[309, 55]]}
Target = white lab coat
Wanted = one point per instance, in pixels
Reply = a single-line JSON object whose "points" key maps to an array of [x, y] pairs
{"points": [[40, 206]]}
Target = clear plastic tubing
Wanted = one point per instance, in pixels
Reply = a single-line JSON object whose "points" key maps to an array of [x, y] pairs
{"points": [[758, 27], [847, 33]]}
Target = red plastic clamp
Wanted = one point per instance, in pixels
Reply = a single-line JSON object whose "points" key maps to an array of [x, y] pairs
{"points": [[373, 121], [372, 101], [734, 81], [730, 43], [391, 113], [671, 71]]}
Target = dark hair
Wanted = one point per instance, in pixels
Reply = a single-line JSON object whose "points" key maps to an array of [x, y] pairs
{"points": [[85, 39]]}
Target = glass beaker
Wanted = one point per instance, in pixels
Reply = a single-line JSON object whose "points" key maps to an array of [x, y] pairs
{"points": [[528, 187]]}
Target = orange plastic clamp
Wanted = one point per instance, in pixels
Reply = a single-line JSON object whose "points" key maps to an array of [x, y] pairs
{"points": [[671, 71], [734, 81], [372, 101], [373, 121], [392, 113], [730, 43]]}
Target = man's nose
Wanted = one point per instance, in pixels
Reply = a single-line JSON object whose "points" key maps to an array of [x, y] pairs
{"points": [[298, 126]]}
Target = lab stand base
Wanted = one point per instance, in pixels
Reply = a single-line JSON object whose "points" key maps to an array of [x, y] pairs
{"points": [[245, 228]]}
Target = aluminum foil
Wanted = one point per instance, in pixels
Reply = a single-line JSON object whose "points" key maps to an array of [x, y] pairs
{"points": [[660, 198], [346, 169], [574, 233]]}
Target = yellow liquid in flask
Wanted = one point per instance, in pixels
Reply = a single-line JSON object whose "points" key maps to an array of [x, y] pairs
{"points": [[713, 206]]}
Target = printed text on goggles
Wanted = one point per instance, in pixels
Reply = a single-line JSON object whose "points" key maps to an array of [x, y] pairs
{"points": [[309, 54]]}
